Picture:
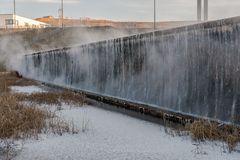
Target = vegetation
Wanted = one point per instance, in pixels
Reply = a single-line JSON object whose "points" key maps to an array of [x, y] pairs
{"points": [[18, 120], [8, 79], [2, 67], [205, 130], [51, 98], [20, 114]]}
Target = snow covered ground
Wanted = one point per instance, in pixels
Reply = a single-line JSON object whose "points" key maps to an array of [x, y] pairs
{"points": [[28, 89], [106, 135]]}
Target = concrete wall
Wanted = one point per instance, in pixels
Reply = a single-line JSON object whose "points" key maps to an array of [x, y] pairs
{"points": [[193, 70]]}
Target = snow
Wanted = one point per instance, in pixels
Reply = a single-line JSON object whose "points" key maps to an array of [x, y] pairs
{"points": [[114, 136], [27, 89]]}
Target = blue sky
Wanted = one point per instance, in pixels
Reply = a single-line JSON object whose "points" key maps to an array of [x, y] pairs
{"points": [[139, 10]]}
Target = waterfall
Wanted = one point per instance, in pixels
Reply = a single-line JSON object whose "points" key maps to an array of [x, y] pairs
{"points": [[193, 69]]}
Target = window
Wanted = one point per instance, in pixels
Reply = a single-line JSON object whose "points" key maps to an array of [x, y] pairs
{"points": [[26, 25], [9, 21]]}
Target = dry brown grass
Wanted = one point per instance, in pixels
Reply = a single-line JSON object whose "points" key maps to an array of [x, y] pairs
{"points": [[53, 98], [40, 98], [22, 120], [18, 120], [204, 130], [8, 79], [2, 67]]}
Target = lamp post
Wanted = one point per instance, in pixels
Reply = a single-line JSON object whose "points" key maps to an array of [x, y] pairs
{"points": [[14, 13], [14, 7], [154, 16], [205, 10], [199, 10], [62, 12]]}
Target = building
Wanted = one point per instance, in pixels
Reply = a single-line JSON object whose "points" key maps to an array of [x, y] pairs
{"points": [[15, 21]]}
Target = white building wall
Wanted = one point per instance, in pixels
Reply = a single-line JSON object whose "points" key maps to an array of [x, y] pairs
{"points": [[3, 18], [7, 21]]}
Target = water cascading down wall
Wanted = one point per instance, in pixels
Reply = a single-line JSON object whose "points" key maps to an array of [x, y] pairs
{"points": [[193, 70]]}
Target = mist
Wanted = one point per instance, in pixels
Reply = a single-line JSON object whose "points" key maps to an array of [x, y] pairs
{"points": [[15, 44], [12, 48]]}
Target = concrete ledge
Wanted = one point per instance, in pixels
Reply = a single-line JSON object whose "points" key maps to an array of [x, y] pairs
{"points": [[143, 109]]}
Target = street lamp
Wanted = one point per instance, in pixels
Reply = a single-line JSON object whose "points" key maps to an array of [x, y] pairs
{"points": [[154, 15], [62, 12], [14, 7], [199, 10], [205, 10], [14, 13]]}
